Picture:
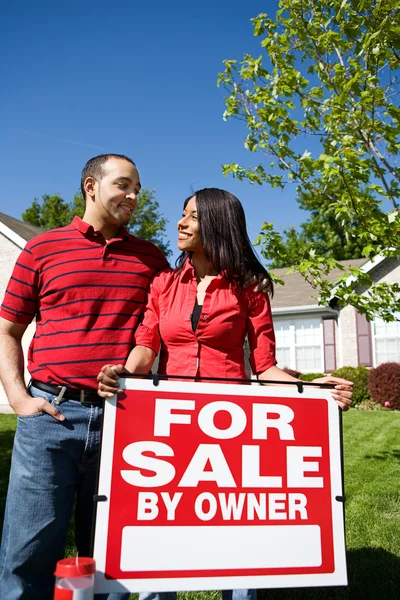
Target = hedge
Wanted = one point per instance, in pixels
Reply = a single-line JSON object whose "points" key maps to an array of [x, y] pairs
{"points": [[311, 376], [384, 385]]}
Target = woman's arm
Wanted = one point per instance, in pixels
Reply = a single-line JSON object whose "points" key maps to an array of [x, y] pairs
{"points": [[262, 346], [139, 361], [147, 339], [342, 392], [276, 374]]}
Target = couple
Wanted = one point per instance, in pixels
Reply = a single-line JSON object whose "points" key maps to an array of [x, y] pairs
{"points": [[87, 284]]}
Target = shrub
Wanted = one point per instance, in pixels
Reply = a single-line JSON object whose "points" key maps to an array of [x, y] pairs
{"points": [[292, 372], [384, 385], [359, 377], [370, 405], [311, 376]]}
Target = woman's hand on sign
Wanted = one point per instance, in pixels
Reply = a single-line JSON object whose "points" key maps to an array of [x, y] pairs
{"points": [[342, 392], [108, 384]]}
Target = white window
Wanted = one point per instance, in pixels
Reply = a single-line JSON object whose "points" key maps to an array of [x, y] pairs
{"points": [[386, 340], [299, 344], [284, 343]]}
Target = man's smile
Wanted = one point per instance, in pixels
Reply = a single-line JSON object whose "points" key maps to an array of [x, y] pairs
{"points": [[127, 208]]}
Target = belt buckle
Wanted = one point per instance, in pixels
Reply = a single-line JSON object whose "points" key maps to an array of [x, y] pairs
{"points": [[60, 395], [82, 396]]}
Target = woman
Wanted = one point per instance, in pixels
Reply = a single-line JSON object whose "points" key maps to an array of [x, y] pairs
{"points": [[199, 314]]}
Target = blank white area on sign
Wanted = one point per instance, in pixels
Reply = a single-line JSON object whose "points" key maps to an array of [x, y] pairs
{"points": [[211, 548]]}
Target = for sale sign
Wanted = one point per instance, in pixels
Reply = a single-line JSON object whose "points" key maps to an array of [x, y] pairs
{"points": [[214, 486]]}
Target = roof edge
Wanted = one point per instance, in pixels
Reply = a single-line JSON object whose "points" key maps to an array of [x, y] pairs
{"points": [[306, 308], [365, 268], [12, 236]]}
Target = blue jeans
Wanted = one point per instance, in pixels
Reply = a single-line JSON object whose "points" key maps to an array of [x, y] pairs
{"points": [[53, 464], [226, 595]]}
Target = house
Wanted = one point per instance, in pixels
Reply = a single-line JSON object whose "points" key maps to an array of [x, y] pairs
{"points": [[319, 339], [13, 236]]}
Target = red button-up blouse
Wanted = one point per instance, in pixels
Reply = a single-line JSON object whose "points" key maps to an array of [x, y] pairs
{"points": [[215, 349]]}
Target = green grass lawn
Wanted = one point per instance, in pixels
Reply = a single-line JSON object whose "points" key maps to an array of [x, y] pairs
{"points": [[372, 482]]}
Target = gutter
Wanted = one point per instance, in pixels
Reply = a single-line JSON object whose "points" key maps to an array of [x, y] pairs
{"points": [[12, 236], [307, 308]]}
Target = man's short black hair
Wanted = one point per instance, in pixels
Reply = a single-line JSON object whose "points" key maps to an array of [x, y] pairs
{"points": [[94, 167]]}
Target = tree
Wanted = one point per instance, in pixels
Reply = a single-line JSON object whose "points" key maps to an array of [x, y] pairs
{"points": [[323, 104], [322, 231], [147, 222], [77, 207], [52, 212]]}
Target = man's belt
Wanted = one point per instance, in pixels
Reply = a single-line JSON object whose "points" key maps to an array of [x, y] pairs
{"points": [[84, 396]]}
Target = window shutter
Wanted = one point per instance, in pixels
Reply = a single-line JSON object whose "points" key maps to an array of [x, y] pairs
{"points": [[329, 344], [364, 348]]}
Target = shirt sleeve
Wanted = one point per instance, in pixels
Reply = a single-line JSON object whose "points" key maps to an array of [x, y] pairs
{"points": [[148, 333], [260, 331], [164, 264], [21, 299]]}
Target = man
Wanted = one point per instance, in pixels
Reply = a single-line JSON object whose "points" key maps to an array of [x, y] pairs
{"points": [[86, 284]]}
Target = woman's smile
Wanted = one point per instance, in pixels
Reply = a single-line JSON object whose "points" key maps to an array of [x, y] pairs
{"points": [[184, 235]]}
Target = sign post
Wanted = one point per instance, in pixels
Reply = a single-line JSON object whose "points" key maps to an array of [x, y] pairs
{"points": [[217, 486]]}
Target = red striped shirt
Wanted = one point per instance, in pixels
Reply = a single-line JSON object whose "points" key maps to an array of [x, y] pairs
{"points": [[87, 296]]}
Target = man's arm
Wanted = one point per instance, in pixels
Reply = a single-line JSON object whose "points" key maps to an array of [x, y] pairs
{"points": [[12, 373], [263, 285]]}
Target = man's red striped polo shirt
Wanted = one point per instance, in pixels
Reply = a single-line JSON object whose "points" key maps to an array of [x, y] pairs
{"points": [[87, 296]]}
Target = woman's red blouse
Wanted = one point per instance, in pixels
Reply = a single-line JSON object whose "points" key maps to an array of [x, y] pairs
{"points": [[215, 349]]}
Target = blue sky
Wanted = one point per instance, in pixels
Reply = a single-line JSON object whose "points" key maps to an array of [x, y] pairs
{"points": [[83, 78]]}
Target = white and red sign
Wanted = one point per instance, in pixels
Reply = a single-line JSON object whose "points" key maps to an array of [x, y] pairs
{"points": [[215, 486]]}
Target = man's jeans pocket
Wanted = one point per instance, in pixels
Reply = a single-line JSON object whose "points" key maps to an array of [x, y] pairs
{"points": [[36, 393]]}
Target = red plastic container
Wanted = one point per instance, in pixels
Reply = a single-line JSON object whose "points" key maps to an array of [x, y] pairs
{"points": [[75, 579]]}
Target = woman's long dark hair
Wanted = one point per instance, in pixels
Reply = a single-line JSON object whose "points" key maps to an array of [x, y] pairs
{"points": [[224, 236]]}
